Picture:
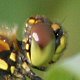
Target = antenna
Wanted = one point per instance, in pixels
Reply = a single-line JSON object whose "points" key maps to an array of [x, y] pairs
{"points": [[63, 19]]}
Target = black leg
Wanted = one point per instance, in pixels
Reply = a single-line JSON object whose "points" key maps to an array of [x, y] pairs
{"points": [[41, 68], [33, 76]]}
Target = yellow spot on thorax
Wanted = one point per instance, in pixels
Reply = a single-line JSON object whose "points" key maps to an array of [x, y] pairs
{"points": [[12, 69], [27, 46], [3, 65], [25, 66], [13, 56]]}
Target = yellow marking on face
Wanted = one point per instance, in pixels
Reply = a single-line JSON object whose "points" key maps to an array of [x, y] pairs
{"points": [[31, 21], [25, 66], [13, 56], [27, 46], [3, 65], [28, 56], [61, 47], [63, 40], [37, 21], [55, 26], [12, 69], [4, 46]]}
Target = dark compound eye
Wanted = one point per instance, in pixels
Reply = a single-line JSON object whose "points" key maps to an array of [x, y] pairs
{"points": [[42, 34], [40, 29], [58, 33]]}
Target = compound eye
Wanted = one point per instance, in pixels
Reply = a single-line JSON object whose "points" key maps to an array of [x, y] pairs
{"points": [[42, 34], [42, 40], [39, 28], [4, 45]]}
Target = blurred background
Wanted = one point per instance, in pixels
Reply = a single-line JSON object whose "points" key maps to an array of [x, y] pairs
{"points": [[65, 12]]}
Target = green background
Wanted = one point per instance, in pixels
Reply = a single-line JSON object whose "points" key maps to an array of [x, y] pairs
{"points": [[66, 12]]}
